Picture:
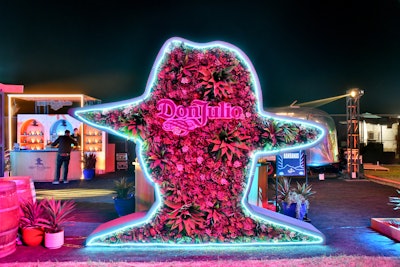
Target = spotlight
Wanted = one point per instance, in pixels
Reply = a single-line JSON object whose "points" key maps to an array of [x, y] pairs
{"points": [[355, 92]]}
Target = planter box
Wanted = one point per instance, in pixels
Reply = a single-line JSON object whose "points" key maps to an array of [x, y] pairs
{"points": [[382, 225]]}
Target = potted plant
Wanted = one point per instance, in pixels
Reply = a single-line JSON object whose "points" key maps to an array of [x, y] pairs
{"points": [[89, 165], [57, 212], [124, 201], [294, 201], [32, 222]]}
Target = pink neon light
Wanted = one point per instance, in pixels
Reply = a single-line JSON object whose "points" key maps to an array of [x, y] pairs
{"points": [[181, 120], [11, 88]]}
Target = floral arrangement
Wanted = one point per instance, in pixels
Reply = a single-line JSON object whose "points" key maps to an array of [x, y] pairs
{"points": [[289, 194], [202, 185]]}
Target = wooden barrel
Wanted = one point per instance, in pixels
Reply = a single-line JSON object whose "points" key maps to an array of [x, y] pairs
{"points": [[25, 187], [9, 214]]}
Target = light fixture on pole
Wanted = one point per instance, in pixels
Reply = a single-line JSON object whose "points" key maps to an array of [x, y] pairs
{"points": [[353, 133]]}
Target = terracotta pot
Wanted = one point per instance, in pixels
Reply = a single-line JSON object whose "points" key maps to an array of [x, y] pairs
{"points": [[54, 240], [32, 236]]}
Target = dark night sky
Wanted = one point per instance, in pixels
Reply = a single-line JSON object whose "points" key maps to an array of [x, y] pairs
{"points": [[302, 50]]}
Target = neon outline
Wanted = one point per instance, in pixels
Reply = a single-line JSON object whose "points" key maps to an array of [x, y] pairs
{"points": [[157, 204]]}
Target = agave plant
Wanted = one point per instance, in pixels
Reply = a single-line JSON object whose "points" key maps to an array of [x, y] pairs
{"points": [[123, 188], [305, 190], [33, 215], [284, 188], [395, 201], [57, 213]]}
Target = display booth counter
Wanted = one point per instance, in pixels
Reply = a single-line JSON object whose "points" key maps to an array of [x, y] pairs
{"points": [[36, 132], [41, 164], [42, 119]]}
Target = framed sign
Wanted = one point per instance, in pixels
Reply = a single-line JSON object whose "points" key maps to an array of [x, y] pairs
{"points": [[291, 164]]}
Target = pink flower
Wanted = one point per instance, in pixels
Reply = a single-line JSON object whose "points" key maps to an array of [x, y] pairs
{"points": [[185, 149], [200, 160], [224, 181], [237, 164], [179, 167], [185, 80]]}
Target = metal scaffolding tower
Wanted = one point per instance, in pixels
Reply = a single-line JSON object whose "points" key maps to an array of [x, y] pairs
{"points": [[353, 133]]}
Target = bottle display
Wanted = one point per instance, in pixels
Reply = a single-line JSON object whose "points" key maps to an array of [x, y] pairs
{"points": [[93, 139], [32, 137]]}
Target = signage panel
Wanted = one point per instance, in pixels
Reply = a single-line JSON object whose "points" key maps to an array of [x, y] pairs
{"points": [[291, 163]]}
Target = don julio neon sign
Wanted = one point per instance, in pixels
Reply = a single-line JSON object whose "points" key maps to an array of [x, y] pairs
{"points": [[181, 120]]}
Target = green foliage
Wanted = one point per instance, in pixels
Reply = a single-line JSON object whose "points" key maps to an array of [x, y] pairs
{"points": [[123, 188], [392, 174]]}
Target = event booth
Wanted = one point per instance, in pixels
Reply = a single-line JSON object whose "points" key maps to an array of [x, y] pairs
{"points": [[36, 120]]}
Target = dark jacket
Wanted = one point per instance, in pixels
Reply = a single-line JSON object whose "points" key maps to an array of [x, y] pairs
{"points": [[64, 144]]}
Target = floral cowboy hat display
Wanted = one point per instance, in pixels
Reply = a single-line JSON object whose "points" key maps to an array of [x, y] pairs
{"points": [[199, 129]]}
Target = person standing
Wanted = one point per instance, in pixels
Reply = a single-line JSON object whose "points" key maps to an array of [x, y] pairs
{"points": [[64, 143], [76, 136]]}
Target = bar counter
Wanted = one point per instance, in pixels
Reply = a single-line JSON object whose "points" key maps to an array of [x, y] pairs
{"points": [[40, 165]]}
